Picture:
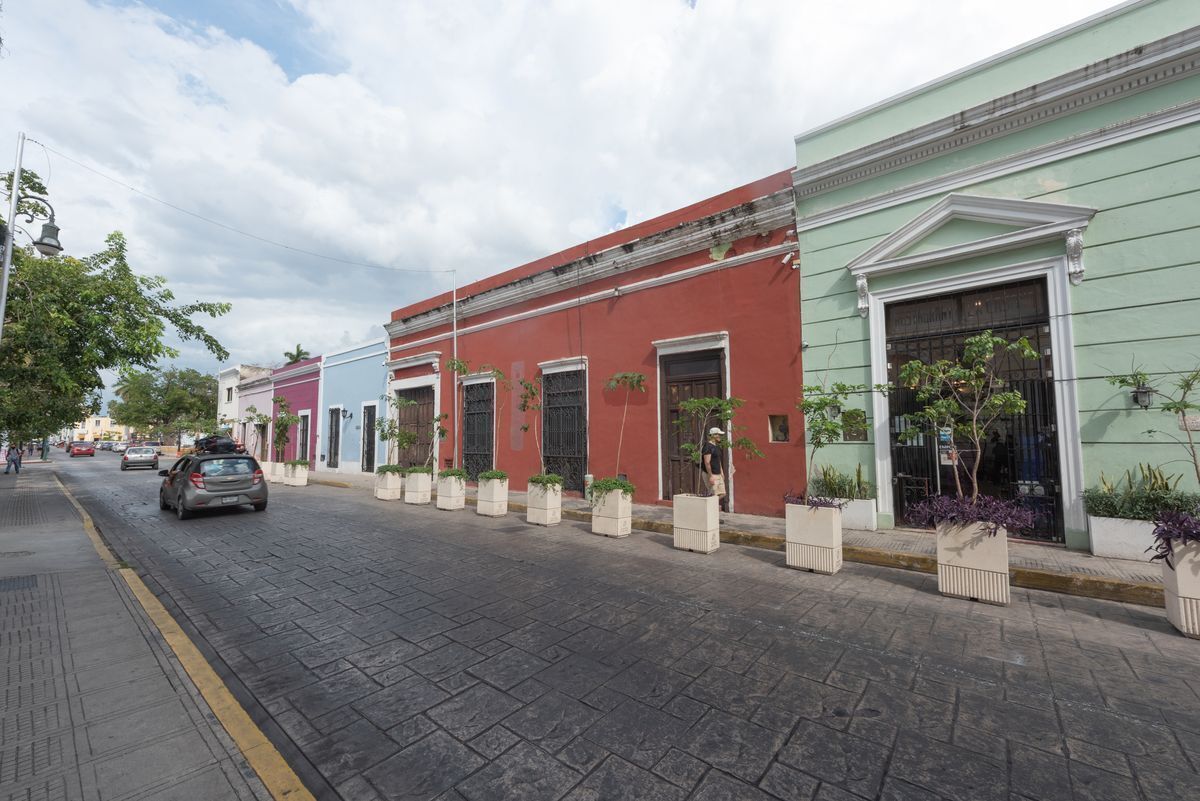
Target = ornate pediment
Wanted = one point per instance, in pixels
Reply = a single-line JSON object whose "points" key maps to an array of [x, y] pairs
{"points": [[965, 226]]}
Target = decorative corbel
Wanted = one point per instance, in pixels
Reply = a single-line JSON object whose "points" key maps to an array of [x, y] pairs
{"points": [[1075, 256], [863, 304]]}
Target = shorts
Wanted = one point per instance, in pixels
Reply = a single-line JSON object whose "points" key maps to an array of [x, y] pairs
{"points": [[718, 486]]}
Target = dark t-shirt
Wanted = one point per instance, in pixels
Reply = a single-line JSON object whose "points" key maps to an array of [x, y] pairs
{"points": [[715, 462]]}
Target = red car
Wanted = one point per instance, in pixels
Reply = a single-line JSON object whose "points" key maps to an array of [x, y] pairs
{"points": [[82, 449]]}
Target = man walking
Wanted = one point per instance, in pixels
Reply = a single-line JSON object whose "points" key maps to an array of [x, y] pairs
{"points": [[14, 459], [712, 454]]}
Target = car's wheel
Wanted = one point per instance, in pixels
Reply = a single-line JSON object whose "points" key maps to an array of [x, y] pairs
{"points": [[122, 468], [180, 512], [260, 507], [162, 501]]}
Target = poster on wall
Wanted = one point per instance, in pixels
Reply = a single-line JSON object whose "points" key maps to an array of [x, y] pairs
{"points": [[947, 455]]}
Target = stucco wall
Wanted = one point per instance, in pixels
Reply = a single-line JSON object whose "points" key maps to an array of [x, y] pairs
{"points": [[302, 393], [350, 379]]}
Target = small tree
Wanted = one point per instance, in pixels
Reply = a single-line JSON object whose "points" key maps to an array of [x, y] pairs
{"points": [[967, 397], [824, 409], [630, 382], [258, 426], [439, 434], [1182, 403], [531, 401], [390, 431], [698, 415], [297, 355], [284, 420]]}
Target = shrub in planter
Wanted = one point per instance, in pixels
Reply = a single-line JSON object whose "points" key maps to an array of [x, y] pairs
{"points": [[493, 493], [389, 482], [418, 485], [1177, 546], [1121, 515], [295, 473], [612, 507], [813, 533], [452, 488], [544, 499], [856, 493]]}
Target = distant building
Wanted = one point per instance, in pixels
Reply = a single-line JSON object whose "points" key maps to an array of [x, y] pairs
{"points": [[228, 380], [353, 383], [299, 384], [99, 427]]}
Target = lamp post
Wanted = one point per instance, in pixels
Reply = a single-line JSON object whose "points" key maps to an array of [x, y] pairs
{"points": [[47, 244]]}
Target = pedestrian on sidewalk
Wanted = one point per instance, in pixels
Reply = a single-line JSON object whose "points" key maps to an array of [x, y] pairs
{"points": [[712, 454], [13, 460]]}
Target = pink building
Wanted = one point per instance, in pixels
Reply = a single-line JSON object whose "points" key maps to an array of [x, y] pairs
{"points": [[300, 384]]}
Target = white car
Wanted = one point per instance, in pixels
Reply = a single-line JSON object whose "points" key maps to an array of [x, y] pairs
{"points": [[120, 447]]}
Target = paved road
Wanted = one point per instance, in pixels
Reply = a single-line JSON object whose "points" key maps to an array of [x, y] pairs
{"points": [[400, 653]]}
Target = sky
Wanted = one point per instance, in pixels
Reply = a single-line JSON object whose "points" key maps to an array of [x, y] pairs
{"points": [[473, 135]]}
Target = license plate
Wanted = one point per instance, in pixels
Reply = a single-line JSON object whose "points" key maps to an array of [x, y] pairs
{"points": [[230, 499]]}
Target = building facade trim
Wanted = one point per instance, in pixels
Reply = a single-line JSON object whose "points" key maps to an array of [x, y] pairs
{"points": [[564, 365], [432, 358]]}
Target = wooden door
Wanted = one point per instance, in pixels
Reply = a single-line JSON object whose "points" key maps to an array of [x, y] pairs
{"points": [[335, 438], [691, 375], [368, 439], [418, 418]]}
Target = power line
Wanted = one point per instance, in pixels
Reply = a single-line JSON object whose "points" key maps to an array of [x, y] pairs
{"points": [[231, 228]]}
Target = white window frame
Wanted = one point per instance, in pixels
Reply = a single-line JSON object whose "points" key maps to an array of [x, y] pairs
{"points": [[483, 378]]}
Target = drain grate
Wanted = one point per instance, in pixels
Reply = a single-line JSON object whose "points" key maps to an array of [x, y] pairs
{"points": [[14, 554], [18, 583]]}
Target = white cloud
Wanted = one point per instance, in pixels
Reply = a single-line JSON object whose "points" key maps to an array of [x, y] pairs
{"points": [[470, 135]]}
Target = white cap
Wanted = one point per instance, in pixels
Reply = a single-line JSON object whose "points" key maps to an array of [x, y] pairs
{"points": [[716, 431]]}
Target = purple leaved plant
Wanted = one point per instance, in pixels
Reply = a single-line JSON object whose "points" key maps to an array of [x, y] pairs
{"points": [[814, 501], [1171, 529], [993, 513]]}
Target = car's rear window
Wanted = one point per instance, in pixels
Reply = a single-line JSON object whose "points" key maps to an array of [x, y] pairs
{"points": [[227, 467], [140, 451]]}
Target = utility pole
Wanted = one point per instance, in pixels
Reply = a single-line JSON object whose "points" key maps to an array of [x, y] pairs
{"points": [[10, 229]]}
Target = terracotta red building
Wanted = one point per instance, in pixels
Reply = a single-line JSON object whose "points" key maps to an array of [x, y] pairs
{"points": [[702, 301]]}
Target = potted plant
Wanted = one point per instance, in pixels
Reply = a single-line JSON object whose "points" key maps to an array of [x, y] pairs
{"points": [[1121, 516], [612, 507], [418, 484], [1177, 546], [696, 524], [493, 493], [452, 488], [964, 399], [543, 504], [854, 492], [284, 420], [389, 482], [813, 533], [295, 473]]}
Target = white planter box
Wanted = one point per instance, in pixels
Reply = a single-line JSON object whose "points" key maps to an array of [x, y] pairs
{"points": [[1117, 538], [452, 493], [1181, 589], [418, 487], [972, 564], [493, 497], [814, 538], [543, 505], [697, 523], [612, 516], [273, 471], [389, 486], [859, 515], [295, 475]]}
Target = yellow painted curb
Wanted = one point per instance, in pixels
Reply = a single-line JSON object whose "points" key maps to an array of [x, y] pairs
{"points": [[280, 780], [330, 482]]}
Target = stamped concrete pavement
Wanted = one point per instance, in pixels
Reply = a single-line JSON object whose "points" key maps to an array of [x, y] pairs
{"points": [[400, 652]]}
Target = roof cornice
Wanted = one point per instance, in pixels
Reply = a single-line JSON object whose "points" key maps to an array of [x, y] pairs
{"points": [[756, 217], [1169, 59]]}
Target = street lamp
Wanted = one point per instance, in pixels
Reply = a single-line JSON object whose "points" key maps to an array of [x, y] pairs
{"points": [[47, 244]]}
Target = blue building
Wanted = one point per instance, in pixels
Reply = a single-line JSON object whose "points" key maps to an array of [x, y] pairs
{"points": [[353, 383]]}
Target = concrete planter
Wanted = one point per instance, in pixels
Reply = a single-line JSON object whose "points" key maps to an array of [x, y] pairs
{"points": [[544, 504], [418, 488], [273, 471], [814, 538], [1181, 589], [493, 497], [612, 516], [1118, 538], [389, 486], [697, 523], [859, 515], [972, 564], [295, 475], [451, 493]]}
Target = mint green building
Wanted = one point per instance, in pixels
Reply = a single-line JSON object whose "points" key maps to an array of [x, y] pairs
{"points": [[1053, 192]]}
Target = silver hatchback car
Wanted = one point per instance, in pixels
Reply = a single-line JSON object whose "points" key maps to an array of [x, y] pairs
{"points": [[210, 480], [139, 457]]}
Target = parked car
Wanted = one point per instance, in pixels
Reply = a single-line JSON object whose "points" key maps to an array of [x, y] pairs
{"points": [[82, 449], [156, 445], [139, 457], [120, 447], [106, 445], [202, 481]]}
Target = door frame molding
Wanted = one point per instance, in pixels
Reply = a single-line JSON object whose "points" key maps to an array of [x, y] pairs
{"points": [[362, 443], [1054, 271], [715, 340]]}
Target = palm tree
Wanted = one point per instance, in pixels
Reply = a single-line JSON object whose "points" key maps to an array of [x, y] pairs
{"points": [[297, 355]]}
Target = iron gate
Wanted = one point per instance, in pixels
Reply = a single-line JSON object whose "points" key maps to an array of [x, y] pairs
{"points": [[564, 427], [478, 428], [1019, 460]]}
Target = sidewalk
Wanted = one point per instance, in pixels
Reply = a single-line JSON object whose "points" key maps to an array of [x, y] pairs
{"points": [[96, 705]]}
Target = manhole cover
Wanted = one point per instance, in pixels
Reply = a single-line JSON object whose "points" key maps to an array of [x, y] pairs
{"points": [[14, 554]]}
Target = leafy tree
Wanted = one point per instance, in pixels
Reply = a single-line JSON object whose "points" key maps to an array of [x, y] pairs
{"points": [[967, 396], [284, 420], [1183, 403], [69, 319], [825, 417], [698, 415], [531, 401], [258, 430], [171, 401], [390, 430], [297, 355], [630, 382]]}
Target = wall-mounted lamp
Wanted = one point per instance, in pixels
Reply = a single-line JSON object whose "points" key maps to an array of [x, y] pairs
{"points": [[834, 410], [1143, 396], [347, 414]]}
